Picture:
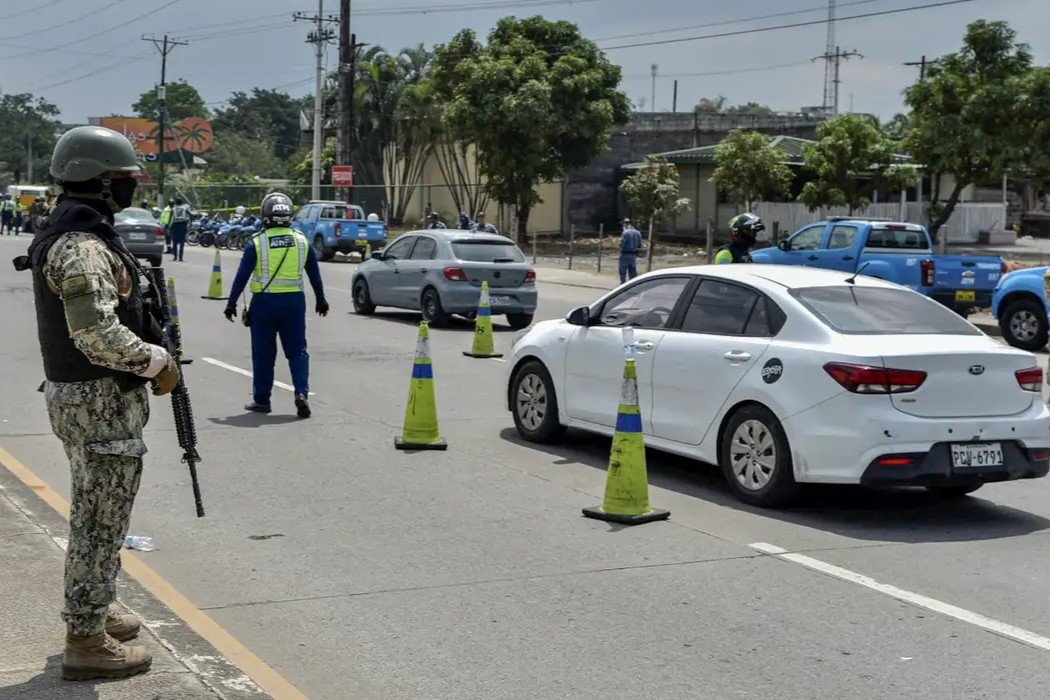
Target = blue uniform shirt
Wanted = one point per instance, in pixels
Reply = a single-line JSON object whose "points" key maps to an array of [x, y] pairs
{"points": [[630, 241], [247, 269]]}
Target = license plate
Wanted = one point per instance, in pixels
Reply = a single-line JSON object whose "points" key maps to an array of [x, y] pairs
{"points": [[362, 233], [983, 455], [965, 295], [499, 301], [136, 236]]}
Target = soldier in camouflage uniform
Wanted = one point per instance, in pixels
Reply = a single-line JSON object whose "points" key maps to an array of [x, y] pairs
{"points": [[100, 352]]}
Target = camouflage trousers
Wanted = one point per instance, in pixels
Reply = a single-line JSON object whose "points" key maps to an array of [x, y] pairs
{"points": [[101, 430]]}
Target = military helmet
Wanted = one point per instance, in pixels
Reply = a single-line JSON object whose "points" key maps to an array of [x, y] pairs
{"points": [[276, 210], [86, 152]]}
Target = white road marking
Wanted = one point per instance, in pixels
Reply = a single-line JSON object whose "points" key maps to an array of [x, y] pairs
{"points": [[246, 373], [994, 626]]}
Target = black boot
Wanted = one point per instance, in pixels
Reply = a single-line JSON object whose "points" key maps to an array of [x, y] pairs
{"points": [[256, 407], [302, 406]]}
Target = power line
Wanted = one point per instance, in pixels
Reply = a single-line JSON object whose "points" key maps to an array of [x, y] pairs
{"points": [[31, 10], [484, 5], [731, 71], [114, 3], [759, 30], [96, 71]]}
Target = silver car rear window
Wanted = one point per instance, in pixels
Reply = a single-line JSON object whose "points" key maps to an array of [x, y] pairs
{"points": [[487, 251], [880, 311], [135, 216]]}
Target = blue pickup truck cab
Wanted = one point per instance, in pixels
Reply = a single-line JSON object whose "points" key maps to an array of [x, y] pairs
{"points": [[1019, 305], [896, 252], [338, 227]]}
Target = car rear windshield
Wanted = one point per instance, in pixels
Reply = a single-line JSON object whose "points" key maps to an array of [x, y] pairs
{"points": [[880, 311], [135, 216], [897, 238], [487, 251]]}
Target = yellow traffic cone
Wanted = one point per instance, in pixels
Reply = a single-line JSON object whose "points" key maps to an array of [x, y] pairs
{"points": [[215, 286], [421, 420], [627, 483], [367, 255], [483, 345]]}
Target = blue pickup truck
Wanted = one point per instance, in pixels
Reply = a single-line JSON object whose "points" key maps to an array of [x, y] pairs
{"points": [[338, 227], [896, 252], [1019, 305]]}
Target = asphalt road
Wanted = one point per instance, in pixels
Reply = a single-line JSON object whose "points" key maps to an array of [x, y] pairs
{"points": [[358, 571]]}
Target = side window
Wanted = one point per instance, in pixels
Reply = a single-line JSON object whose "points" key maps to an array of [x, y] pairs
{"points": [[808, 238], [401, 248], [842, 237], [723, 309], [356, 212], [304, 213], [647, 304], [328, 213], [425, 249]]}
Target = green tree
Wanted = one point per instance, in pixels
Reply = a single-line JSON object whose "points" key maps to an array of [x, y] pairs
{"points": [[720, 105], [182, 99], [653, 194], [965, 113], [750, 169], [896, 129], [241, 154], [1033, 104], [537, 100], [851, 158], [28, 131], [264, 115]]}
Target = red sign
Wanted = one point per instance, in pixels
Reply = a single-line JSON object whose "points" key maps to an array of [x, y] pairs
{"points": [[342, 176]]}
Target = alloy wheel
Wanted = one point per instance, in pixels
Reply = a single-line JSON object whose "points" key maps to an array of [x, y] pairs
{"points": [[753, 455], [532, 402]]}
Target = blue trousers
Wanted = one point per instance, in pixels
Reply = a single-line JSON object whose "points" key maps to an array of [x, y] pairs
{"points": [[628, 266], [276, 315], [178, 239]]}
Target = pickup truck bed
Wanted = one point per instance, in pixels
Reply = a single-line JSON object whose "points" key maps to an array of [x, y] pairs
{"points": [[337, 227]]}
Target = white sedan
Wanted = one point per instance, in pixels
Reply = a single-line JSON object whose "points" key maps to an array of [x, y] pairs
{"points": [[785, 375]]}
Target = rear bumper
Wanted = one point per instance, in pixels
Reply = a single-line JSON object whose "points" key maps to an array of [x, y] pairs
{"points": [[982, 299], [354, 245], [934, 468], [463, 298]]}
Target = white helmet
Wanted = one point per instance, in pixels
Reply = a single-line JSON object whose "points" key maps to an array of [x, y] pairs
{"points": [[373, 217], [239, 210]]}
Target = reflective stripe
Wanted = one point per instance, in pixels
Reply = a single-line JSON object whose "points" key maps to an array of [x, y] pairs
{"points": [[289, 278]]}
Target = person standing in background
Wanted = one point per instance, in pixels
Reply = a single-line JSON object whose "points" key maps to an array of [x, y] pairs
{"points": [[180, 224], [7, 214], [630, 245]]}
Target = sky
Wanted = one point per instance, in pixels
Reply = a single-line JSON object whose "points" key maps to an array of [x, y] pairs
{"points": [[88, 56]]}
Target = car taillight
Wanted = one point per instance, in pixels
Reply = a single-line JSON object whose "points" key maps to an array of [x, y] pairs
{"points": [[530, 277], [929, 272], [1030, 379], [338, 230], [455, 274], [861, 379], [160, 233]]}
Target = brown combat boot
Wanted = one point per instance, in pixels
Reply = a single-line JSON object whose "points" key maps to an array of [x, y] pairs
{"points": [[122, 627], [101, 656]]}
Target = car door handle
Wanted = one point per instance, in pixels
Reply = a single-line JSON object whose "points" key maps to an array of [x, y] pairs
{"points": [[814, 257], [423, 270], [644, 345], [737, 356], [847, 257]]}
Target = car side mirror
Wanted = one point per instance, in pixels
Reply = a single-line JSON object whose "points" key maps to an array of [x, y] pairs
{"points": [[784, 245], [579, 317], [378, 255]]}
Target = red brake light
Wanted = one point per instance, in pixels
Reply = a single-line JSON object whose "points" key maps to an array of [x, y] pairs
{"points": [[929, 272], [1030, 379], [160, 233], [338, 230], [895, 461], [455, 274], [530, 277], [861, 379]]}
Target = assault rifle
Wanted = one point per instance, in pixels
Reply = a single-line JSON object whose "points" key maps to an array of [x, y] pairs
{"points": [[167, 313]]}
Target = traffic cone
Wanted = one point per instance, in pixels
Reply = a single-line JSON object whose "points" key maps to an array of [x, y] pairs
{"points": [[483, 345], [627, 483], [421, 420], [215, 286], [367, 255]]}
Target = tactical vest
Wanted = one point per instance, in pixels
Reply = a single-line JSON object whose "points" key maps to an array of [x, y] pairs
{"points": [[63, 362], [738, 256], [280, 257]]}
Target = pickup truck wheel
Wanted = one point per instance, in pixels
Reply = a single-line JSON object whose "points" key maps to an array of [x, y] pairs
{"points": [[363, 299], [322, 253], [1024, 324], [433, 312]]}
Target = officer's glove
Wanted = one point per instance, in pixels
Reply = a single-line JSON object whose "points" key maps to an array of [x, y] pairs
{"points": [[168, 379], [230, 313], [321, 308]]}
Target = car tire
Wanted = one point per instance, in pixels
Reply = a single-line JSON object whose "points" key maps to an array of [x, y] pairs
{"points": [[1024, 324], [519, 321], [322, 253], [155, 260], [952, 492], [433, 312], [755, 458], [536, 412], [363, 298]]}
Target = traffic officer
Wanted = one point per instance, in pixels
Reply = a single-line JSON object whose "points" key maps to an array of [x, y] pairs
{"points": [[434, 221], [165, 222], [18, 216], [275, 260], [630, 244], [481, 226], [744, 230], [7, 215], [180, 224], [99, 356], [465, 224]]}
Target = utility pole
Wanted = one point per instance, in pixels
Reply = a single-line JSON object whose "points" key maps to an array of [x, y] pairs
{"points": [[834, 59], [653, 70], [318, 38], [829, 73], [29, 157], [165, 47], [922, 67], [674, 97], [346, 86]]}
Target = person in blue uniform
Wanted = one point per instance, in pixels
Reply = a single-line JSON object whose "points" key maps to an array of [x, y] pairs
{"points": [[630, 245], [274, 262]]}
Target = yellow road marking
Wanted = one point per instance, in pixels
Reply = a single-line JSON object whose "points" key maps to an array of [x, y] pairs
{"points": [[229, 646]]}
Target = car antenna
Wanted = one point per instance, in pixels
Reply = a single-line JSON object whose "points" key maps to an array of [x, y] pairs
{"points": [[853, 278]]}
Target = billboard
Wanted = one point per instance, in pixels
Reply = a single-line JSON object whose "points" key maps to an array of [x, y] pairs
{"points": [[193, 134]]}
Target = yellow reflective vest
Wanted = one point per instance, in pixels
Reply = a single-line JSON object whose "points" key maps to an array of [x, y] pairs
{"points": [[165, 216], [280, 258]]}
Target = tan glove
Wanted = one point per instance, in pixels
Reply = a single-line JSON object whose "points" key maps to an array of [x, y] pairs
{"points": [[168, 379]]}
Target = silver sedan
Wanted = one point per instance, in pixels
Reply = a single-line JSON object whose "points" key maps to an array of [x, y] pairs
{"points": [[439, 272]]}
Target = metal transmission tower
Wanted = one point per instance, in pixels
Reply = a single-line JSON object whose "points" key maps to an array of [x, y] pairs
{"points": [[319, 37], [165, 46], [829, 71]]}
